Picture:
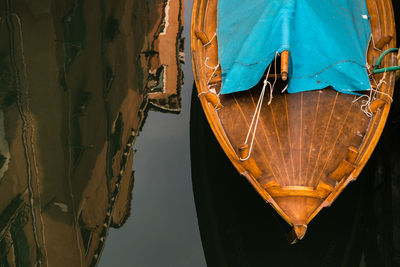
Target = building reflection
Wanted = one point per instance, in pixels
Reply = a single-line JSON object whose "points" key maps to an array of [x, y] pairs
{"points": [[165, 76], [77, 79]]}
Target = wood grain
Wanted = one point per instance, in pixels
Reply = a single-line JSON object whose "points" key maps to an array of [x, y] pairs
{"points": [[309, 145]]}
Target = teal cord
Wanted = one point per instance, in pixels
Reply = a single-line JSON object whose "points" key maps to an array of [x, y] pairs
{"points": [[394, 68], [382, 70]]}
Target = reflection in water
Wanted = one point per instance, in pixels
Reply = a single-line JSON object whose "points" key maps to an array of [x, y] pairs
{"points": [[165, 76], [239, 229], [76, 81]]}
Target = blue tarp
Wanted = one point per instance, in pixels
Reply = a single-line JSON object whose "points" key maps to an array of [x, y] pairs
{"points": [[327, 40]]}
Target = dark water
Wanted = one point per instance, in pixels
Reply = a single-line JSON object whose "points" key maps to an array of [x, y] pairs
{"points": [[163, 229], [106, 157]]}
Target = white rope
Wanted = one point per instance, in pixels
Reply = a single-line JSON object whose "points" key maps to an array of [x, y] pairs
{"points": [[271, 88], [284, 89], [365, 107], [373, 43], [257, 111], [209, 42], [215, 68], [255, 119], [201, 93], [205, 63], [256, 115]]}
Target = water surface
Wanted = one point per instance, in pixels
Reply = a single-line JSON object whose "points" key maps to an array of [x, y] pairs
{"points": [[101, 162]]}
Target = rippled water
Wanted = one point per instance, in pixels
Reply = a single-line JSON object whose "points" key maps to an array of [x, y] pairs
{"points": [[162, 229], [82, 82]]}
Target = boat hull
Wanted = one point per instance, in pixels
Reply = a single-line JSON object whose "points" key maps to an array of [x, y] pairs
{"points": [[308, 146]]}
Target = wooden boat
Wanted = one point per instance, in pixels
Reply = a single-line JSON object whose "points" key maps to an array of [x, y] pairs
{"points": [[308, 146]]}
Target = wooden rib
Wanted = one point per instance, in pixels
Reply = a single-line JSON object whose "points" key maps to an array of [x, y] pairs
{"points": [[312, 135], [280, 145], [383, 24], [326, 130], [293, 106], [289, 138], [324, 186], [352, 154], [265, 134], [343, 170], [301, 132], [255, 141], [383, 41], [378, 19], [336, 140], [270, 133], [370, 133], [279, 107]]}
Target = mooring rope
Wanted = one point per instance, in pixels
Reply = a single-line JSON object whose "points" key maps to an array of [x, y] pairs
{"points": [[365, 107], [257, 111], [215, 68]]}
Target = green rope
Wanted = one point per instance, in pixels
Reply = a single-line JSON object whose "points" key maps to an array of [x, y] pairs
{"points": [[394, 68], [378, 63]]}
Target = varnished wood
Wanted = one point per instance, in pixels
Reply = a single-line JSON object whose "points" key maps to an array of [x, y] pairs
{"points": [[398, 64], [202, 37], [343, 170], [383, 41], [378, 103], [308, 146], [213, 99], [284, 65], [244, 151]]}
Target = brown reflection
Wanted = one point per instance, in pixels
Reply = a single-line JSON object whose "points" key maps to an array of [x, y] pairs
{"points": [[164, 80], [77, 79]]}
